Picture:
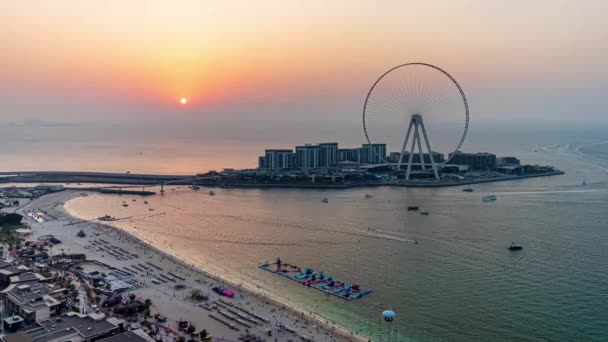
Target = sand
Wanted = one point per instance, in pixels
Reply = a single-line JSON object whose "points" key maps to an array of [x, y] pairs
{"points": [[174, 304]]}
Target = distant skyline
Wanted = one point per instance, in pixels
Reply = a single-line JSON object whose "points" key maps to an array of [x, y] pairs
{"points": [[279, 62]]}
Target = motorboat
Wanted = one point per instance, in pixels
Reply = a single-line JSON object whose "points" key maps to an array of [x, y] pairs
{"points": [[195, 187], [467, 189], [488, 198], [125, 205], [211, 193], [325, 200], [515, 246], [368, 196], [106, 218], [145, 202], [413, 208], [424, 212]]}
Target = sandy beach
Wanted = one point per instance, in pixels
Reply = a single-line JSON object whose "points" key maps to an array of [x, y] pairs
{"points": [[176, 304]]}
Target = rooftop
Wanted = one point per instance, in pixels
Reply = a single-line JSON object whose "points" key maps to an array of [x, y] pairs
{"points": [[32, 295], [72, 326], [129, 336]]}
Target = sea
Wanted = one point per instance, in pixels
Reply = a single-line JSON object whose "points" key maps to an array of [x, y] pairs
{"points": [[458, 283]]}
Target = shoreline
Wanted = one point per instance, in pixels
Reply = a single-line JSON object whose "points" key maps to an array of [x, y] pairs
{"points": [[131, 181], [278, 304]]}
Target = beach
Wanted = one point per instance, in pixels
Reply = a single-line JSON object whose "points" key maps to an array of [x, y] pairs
{"points": [[174, 304]]}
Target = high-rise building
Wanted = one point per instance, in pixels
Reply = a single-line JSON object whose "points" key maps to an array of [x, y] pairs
{"points": [[349, 155], [278, 159], [329, 154], [373, 153], [308, 157], [261, 162]]}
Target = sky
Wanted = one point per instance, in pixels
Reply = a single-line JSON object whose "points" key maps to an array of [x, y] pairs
{"points": [[280, 63]]}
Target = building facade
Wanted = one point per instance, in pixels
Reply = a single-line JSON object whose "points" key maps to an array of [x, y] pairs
{"points": [[373, 153], [308, 157], [349, 155], [278, 159], [476, 161], [437, 157], [329, 154]]}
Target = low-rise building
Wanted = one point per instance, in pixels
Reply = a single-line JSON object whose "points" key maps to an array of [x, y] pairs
{"points": [[476, 161], [34, 301], [504, 161], [74, 327]]}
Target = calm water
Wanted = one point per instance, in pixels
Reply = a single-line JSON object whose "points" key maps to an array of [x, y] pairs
{"points": [[459, 283]]}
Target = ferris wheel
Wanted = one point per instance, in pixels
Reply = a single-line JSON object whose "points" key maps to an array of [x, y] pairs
{"points": [[398, 105]]}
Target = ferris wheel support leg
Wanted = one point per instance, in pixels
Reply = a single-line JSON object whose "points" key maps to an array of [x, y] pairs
{"points": [[420, 153], [407, 137], [412, 149], [428, 147]]}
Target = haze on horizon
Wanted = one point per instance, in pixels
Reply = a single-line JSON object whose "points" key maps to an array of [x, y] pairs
{"points": [[68, 62]]}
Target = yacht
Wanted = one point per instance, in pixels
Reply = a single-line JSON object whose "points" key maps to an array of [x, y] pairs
{"points": [[488, 198], [515, 246]]}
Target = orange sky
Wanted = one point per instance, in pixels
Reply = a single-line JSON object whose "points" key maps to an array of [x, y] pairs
{"points": [[127, 57]]}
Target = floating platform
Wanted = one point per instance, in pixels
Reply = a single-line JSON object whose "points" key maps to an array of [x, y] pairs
{"points": [[316, 280]]}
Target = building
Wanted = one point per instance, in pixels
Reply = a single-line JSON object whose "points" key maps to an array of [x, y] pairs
{"points": [[329, 154], [278, 159], [75, 327], [308, 157], [10, 271], [261, 162], [437, 158], [476, 161], [373, 153], [33, 300], [349, 155], [504, 161], [136, 335]]}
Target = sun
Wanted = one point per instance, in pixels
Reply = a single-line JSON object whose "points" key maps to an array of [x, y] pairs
{"points": [[183, 100]]}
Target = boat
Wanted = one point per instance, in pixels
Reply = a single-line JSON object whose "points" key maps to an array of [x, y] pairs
{"points": [[488, 198], [151, 209], [467, 189], [125, 205], [211, 193], [413, 208], [424, 212], [325, 200], [515, 246], [195, 187], [106, 218], [368, 196], [145, 202]]}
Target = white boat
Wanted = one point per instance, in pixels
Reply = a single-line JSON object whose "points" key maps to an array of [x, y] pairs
{"points": [[488, 198], [423, 212]]}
